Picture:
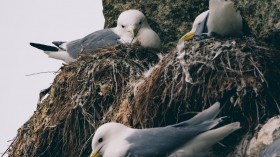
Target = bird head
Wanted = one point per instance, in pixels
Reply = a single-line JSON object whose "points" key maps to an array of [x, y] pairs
{"points": [[131, 21], [104, 138]]}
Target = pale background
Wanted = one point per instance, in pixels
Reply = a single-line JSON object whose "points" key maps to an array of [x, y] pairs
{"points": [[43, 21]]}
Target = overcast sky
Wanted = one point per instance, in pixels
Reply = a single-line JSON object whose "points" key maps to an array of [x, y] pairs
{"points": [[43, 21]]}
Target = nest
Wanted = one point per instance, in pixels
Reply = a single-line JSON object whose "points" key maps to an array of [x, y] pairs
{"points": [[240, 73], [81, 94], [131, 86]]}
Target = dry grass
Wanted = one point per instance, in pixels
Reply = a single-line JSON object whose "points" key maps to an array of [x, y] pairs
{"points": [[109, 85]]}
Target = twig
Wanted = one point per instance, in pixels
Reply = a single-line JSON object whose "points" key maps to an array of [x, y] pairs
{"points": [[261, 47], [84, 146], [115, 79], [277, 105], [224, 67], [232, 70], [262, 76], [41, 73], [131, 41], [13, 141], [171, 92]]}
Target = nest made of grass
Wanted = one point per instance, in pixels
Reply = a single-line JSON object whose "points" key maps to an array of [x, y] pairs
{"points": [[240, 73], [109, 85], [80, 95]]}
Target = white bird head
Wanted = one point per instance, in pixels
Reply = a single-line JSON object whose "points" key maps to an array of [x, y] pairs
{"points": [[103, 138], [198, 20], [131, 21]]}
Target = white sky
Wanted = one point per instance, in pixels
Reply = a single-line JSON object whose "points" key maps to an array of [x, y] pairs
{"points": [[42, 21]]}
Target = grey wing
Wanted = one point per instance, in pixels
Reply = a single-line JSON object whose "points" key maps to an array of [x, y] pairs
{"points": [[93, 41], [161, 142], [74, 48], [100, 39], [272, 150], [206, 115]]}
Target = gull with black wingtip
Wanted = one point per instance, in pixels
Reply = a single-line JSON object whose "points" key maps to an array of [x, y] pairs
{"points": [[132, 26]]}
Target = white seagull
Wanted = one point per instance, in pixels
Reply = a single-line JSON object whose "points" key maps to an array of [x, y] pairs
{"points": [[189, 138], [132, 26], [222, 18]]}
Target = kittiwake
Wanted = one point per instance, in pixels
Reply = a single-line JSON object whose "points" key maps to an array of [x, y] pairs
{"points": [[222, 19], [189, 138], [132, 26]]}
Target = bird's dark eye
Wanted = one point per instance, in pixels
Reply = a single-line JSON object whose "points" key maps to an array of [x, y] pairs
{"points": [[122, 26], [100, 140], [140, 22]]}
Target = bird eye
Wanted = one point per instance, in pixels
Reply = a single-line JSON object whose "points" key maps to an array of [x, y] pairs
{"points": [[122, 26], [100, 140], [140, 22]]}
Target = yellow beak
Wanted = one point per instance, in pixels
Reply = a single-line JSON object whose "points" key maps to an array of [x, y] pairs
{"points": [[132, 31], [94, 154], [187, 36]]}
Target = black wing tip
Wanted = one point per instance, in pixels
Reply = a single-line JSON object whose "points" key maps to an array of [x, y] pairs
{"points": [[43, 47], [33, 44], [58, 43], [36, 45]]}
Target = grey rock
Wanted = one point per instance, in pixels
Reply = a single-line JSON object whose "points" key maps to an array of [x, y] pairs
{"points": [[262, 18], [269, 133], [171, 19]]}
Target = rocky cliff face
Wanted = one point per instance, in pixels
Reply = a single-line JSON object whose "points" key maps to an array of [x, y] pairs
{"points": [[262, 18], [171, 19], [112, 84]]}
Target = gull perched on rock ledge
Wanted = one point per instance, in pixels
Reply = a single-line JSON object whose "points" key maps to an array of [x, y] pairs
{"points": [[189, 138], [132, 26]]}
